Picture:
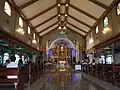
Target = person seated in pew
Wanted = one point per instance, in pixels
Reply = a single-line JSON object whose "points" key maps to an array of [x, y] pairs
{"points": [[6, 63], [93, 64], [20, 63], [12, 64]]}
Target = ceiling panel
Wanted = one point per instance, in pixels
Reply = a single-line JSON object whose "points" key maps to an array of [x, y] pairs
{"points": [[105, 2], [75, 29], [81, 17], [62, 1], [35, 9], [62, 18], [44, 17], [88, 7], [38, 7], [81, 26], [21, 2], [48, 30], [47, 24], [62, 9]]}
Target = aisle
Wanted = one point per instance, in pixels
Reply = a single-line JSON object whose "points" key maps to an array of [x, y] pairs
{"points": [[67, 79]]}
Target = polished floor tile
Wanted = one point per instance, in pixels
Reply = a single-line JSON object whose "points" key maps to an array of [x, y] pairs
{"points": [[66, 79]]}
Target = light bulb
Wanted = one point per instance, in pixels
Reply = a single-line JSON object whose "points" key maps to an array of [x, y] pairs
{"points": [[66, 4], [65, 14], [59, 27], [64, 27], [58, 4]]}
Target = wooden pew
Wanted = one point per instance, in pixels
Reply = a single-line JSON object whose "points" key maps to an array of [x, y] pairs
{"points": [[107, 71], [116, 75], [21, 80]]}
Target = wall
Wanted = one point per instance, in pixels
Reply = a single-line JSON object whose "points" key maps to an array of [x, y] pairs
{"points": [[10, 25], [71, 36], [114, 25]]}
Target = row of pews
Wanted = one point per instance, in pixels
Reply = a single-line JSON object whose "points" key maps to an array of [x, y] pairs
{"points": [[106, 72], [26, 76]]}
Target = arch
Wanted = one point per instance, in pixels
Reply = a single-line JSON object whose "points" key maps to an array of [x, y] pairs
{"points": [[62, 39]]}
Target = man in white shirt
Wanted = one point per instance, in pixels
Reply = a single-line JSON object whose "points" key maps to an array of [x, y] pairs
{"points": [[12, 64]]}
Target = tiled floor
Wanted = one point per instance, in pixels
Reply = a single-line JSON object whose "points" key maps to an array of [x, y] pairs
{"points": [[66, 79]]}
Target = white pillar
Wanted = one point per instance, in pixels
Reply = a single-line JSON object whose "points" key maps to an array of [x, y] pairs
{"points": [[77, 51]]}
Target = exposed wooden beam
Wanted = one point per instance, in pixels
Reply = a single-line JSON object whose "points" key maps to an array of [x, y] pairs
{"points": [[48, 27], [115, 2], [42, 12], [99, 4], [81, 11], [27, 4], [77, 28], [76, 32], [67, 9], [49, 31], [22, 15], [45, 21], [58, 9], [79, 21]]}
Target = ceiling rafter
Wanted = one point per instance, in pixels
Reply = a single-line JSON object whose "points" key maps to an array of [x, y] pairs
{"points": [[27, 4], [75, 31], [22, 15], [67, 9], [58, 9], [46, 10], [78, 28], [99, 4], [48, 27], [79, 21], [45, 21], [81, 11], [50, 31], [106, 11]]}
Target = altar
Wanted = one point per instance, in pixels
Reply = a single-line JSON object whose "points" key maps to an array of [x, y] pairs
{"points": [[62, 54]]}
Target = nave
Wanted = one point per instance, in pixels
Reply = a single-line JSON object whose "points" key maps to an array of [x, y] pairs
{"points": [[65, 79]]}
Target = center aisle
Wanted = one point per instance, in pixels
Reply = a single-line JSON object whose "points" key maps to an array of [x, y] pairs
{"points": [[67, 79]]}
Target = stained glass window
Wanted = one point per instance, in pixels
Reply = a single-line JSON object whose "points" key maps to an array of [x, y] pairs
{"points": [[105, 21], [20, 22], [7, 8], [118, 9], [28, 30], [97, 30]]}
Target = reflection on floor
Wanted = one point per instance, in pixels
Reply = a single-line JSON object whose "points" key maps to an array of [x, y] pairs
{"points": [[66, 79]]}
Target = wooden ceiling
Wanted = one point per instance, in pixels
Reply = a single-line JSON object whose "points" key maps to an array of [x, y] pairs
{"points": [[77, 15]]}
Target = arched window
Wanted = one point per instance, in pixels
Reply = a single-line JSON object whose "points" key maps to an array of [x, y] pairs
{"points": [[34, 40], [20, 22], [118, 9], [28, 30], [97, 29], [38, 39], [7, 8], [105, 21], [34, 36]]}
